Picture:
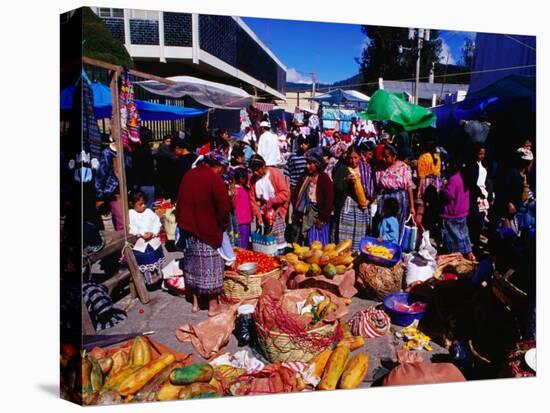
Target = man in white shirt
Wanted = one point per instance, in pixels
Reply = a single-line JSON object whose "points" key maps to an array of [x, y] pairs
{"points": [[268, 147]]}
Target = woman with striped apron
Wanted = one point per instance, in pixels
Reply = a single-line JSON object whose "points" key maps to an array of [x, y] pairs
{"points": [[353, 219]]}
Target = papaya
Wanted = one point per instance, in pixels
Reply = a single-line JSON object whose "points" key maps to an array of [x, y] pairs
{"points": [[140, 377], [324, 260], [96, 375], [329, 271], [314, 269], [334, 368], [316, 245], [120, 360], [321, 307], [329, 247], [344, 328], [140, 353], [197, 372], [291, 258], [301, 267], [106, 364], [354, 372], [197, 391], [85, 376], [340, 269]]}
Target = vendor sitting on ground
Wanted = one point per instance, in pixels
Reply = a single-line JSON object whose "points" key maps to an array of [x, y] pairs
{"points": [[202, 214], [145, 224]]}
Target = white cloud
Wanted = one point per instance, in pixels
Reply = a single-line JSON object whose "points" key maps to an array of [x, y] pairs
{"points": [[446, 51], [292, 75]]}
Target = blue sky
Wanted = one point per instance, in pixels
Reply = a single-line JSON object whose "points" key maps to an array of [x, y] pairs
{"points": [[328, 49]]}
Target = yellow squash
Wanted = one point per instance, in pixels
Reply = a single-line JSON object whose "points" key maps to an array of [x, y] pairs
{"points": [[358, 189], [334, 368], [138, 379], [318, 363], [353, 342], [355, 371]]}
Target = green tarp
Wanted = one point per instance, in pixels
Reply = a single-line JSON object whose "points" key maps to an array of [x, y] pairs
{"points": [[394, 107]]}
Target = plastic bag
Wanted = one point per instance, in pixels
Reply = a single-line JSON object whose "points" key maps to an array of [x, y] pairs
{"points": [[421, 265]]}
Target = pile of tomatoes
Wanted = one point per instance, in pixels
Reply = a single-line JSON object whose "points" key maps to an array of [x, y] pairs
{"points": [[265, 262]]}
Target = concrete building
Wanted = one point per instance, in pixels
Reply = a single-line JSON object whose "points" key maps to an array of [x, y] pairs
{"points": [[429, 94], [217, 48], [299, 99]]}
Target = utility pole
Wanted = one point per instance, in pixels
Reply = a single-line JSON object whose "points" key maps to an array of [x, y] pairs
{"points": [[313, 86], [421, 35]]}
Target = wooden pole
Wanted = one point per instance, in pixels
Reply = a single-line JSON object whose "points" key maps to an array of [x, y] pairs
{"points": [[119, 160], [117, 69]]}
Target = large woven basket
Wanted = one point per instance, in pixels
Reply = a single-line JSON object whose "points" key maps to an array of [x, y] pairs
{"points": [[245, 287], [279, 347]]}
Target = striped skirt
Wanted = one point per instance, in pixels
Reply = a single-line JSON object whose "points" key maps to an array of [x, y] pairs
{"points": [[203, 268], [322, 235], [353, 223], [278, 229], [456, 236], [150, 263], [424, 183], [403, 200]]}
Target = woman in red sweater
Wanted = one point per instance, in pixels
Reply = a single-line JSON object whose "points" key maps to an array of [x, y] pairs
{"points": [[202, 214], [269, 189], [313, 200]]}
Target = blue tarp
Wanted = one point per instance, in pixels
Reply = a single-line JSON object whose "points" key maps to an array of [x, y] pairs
{"points": [[147, 110], [498, 56]]}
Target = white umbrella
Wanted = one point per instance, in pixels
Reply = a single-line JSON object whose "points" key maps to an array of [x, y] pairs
{"points": [[211, 94]]}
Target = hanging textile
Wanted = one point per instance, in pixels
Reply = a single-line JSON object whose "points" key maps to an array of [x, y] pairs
{"points": [[264, 107], [313, 122], [129, 117], [90, 130], [346, 117]]}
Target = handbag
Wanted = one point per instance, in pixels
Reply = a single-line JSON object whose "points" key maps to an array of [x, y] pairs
{"points": [[409, 235]]}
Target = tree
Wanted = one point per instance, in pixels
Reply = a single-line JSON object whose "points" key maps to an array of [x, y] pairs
{"points": [[381, 57], [467, 53], [99, 43]]}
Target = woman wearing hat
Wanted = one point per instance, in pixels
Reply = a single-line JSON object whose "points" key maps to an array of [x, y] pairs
{"points": [[313, 200], [395, 181], [351, 208], [269, 191], [202, 214]]}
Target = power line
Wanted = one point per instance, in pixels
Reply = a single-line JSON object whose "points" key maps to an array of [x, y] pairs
{"points": [[520, 42], [427, 77]]}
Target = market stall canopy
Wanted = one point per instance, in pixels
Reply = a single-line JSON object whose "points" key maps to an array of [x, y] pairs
{"points": [[385, 106], [340, 96], [210, 94], [147, 110]]}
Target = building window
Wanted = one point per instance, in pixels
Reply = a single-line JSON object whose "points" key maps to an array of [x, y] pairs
{"points": [[145, 14], [109, 12]]}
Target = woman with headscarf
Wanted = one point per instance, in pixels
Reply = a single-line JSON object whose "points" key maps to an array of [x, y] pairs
{"points": [[353, 192], [395, 181], [313, 200], [269, 192], [202, 214]]}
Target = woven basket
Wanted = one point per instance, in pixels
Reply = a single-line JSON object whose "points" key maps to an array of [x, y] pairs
{"points": [[279, 347], [245, 287]]}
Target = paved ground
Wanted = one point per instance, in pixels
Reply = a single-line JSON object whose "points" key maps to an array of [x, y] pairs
{"points": [[165, 313]]}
